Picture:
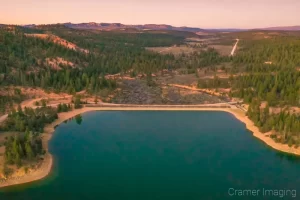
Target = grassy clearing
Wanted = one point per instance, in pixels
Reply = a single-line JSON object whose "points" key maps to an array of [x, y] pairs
{"points": [[175, 50]]}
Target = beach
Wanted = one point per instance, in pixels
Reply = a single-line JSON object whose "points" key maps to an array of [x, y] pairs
{"points": [[46, 165]]}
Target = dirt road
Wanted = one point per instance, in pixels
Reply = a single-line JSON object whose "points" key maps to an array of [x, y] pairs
{"points": [[234, 47]]}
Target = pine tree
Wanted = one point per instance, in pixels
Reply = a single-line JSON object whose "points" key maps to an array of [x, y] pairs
{"points": [[29, 152]]}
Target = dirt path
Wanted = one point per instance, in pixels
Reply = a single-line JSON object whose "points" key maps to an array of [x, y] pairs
{"points": [[166, 49], [26, 103], [196, 89], [234, 47]]}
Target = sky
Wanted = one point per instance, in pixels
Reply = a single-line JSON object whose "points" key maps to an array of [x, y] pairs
{"points": [[194, 13]]}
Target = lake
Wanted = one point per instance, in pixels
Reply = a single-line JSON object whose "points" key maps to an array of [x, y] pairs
{"points": [[157, 155]]}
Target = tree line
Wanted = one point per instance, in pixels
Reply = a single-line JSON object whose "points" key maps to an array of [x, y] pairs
{"points": [[285, 125], [32, 119], [22, 148]]}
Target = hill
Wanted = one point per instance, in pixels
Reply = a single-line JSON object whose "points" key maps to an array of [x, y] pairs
{"points": [[164, 65], [119, 26], [113, 26]]}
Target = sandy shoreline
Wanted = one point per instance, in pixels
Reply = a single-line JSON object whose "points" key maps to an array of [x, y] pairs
{"points": [[46, 165]]}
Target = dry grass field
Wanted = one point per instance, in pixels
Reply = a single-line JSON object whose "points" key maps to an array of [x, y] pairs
{"points": [[196, 45], [224, 50], [175, 50]]}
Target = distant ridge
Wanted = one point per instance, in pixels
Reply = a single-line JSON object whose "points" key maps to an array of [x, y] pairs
{"points": [[116, 26], [29, 25], [226, 30], [113, 26], [281, 28]]}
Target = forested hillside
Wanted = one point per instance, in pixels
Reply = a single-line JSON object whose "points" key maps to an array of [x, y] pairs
{"points": [[265, 69], [272, 74], [23, 62], [110, 53], [272, 68]]}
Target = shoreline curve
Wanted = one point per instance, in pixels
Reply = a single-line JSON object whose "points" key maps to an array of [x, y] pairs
{"points": [[46, 166]]}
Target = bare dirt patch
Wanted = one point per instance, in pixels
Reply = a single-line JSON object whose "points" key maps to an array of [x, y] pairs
{"points": [[58, 63], [138, 92], [175, 95], [277, 110], [118, 76], [59, 41], [291, 110], [32, 95]]}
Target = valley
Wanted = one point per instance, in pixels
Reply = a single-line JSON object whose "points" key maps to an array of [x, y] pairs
{"points": [[50, 73]]}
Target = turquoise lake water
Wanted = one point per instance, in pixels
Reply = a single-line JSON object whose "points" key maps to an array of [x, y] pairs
{"points": [[155, 155]]}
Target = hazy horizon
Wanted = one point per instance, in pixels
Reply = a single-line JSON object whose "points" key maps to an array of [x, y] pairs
{"points": [[192, 13]]}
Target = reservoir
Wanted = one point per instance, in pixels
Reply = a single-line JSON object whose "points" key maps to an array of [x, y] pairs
{"points": [[161, 155]]}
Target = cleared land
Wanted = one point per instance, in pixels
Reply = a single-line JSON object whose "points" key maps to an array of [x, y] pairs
{"points": [[175, 50], [224, 50], [137, 92], [193, 45]]}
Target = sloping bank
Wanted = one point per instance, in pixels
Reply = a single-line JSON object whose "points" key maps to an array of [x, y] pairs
{"points": [[46, 166]]}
